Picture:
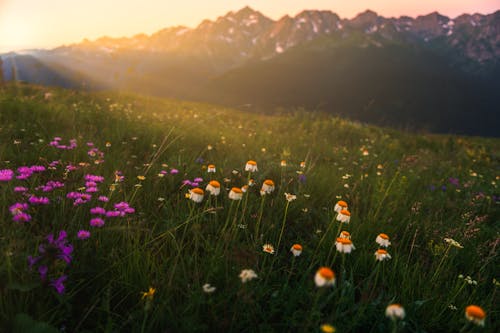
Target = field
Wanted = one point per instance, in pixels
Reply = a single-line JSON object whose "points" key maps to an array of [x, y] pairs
{"points": [[101, 231]]}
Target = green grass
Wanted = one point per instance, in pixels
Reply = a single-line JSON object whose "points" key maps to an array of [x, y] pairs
{"points": [[391, 180]]}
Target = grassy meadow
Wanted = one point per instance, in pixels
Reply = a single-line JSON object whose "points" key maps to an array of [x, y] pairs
{"points": [[101, 231]]}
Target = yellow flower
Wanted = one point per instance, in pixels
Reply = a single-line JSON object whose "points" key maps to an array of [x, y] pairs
{"points": [[149, 294], [327, 328], [475, 314], [324, 277], [141, 177], [453, 242]]}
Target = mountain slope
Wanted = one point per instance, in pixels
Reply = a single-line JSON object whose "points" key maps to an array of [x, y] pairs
{"points": [[395, 85], [430, 72]]}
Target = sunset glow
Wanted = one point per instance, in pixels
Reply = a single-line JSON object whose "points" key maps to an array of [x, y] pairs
{"points": [[31, 23]]}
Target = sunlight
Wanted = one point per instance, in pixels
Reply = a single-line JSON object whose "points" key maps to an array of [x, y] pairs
{"points": [[15, 34]]}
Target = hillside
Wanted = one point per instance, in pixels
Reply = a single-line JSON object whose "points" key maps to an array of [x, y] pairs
{"points": [[448, 67], [108, 224]]}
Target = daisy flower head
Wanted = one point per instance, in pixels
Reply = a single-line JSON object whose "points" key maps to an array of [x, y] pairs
{"points": [[395, 312], [475, 314], [267, 186], [383, 240], [247, 275], [283, 163], [303, 164], [208, 288], [213, 188], [290, 197], [382, 255], [345, 234], [344, 216], [211, 168], [340, 205], [344, 245], [196, 194], [236, 193], [251, 166], [268, 248], [296, 250], [324, 277]]}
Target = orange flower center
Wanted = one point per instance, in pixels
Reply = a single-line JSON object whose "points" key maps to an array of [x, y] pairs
{"points": [[344, 241], [345, 212], [197, 190], [215, 183], [297, 247], [211, 166], [342, 203], [384, 236], [236, 190], [345, 233], [326, 273], [475, 311], [269, 182], [381, 251], [252, 162]]}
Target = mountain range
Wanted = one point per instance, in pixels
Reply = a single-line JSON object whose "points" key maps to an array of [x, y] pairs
{"points": [[431, 72]]}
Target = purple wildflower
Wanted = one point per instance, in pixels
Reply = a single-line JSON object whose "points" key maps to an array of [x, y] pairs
{"points": [[34, 200], [58, 284], [20, 189], [43, 272], [83, 234], [97, 222], [174, 171], [124, 208], [454, 181], [6, 175], [91, 189], [94, 178], [98, 211], [22, 217], [112, 213], [198, 180], [103, 198], [18, 208]]}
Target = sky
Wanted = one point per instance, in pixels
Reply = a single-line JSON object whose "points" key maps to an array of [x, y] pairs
{"points": [[50, 23]]}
